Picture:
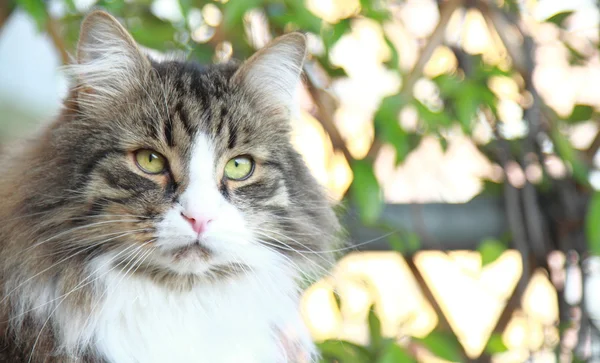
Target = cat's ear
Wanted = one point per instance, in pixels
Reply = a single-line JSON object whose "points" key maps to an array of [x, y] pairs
{"points": [[108, 59], [272, 75]]}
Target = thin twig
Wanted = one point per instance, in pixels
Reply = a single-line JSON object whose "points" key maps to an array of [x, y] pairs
{"points": [[6, 8], [326, 106], [57, 40], [524, 64], [435, 39], [593, 149]]}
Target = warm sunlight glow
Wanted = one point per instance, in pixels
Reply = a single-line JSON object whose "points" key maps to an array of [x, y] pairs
{"points": [[363, 279], [442, 61], [504, 87], [333, 11], [419, 16], [361, 53], [340, 175], [320, 312], [330, 168], [476, 35], [431, 174], [523, 333], [470, 296], [539, 299], [212, 15]]}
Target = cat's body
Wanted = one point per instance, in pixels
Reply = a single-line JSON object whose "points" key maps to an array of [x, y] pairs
{"points": [[164, 216]]}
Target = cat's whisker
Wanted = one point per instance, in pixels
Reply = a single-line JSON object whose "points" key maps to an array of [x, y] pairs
{"points": [[312, 275], [87, 248], [299, 253], [68, 248], [320, 254], [134, 261], [53, 300], [69, 293], [87, 226], [75, 218], [73, 268], [353, 247]]}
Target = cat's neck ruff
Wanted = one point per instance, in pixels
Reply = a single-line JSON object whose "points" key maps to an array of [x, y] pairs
{"points": [[244, 319]]}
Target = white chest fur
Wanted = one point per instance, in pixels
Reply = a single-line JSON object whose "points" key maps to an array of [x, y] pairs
{"points": [[236, 321]]}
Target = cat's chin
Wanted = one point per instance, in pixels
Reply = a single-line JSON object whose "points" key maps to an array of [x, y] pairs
{"points": [[196, 251], [193, 262]]}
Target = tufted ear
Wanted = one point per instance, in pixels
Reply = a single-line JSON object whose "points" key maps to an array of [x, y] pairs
{"points": [[272, 74], [108, 59]]}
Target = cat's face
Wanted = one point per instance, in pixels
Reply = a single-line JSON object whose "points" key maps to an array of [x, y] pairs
{"points": [[188, 171]]}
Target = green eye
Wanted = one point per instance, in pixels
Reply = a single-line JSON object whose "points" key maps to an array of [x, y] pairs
{"points": [[150, 161], [239, 168]]}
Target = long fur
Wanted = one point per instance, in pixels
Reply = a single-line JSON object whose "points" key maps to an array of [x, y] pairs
{"points": [[98, 262]]}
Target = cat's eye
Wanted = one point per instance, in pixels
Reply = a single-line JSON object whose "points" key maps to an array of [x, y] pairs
{"points": [[150, 162], [239, 168]]}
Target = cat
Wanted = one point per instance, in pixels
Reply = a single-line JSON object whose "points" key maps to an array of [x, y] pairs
{"points": [[164, 216]]}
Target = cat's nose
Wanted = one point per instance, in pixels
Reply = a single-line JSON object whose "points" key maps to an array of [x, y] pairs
{"points": [[198, 223]]}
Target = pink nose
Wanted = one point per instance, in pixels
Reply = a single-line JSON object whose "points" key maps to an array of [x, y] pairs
{"points": [[198, 224]]}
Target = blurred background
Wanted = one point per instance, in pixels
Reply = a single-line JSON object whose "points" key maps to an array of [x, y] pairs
{"points": [[460, 138]]}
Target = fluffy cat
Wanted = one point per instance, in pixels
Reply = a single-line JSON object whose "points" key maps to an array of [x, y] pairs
{"points": [[164, 215]]}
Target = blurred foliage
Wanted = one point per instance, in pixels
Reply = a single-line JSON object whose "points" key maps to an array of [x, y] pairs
{"points": [[465, 100], [490, 249], [379, 350]]}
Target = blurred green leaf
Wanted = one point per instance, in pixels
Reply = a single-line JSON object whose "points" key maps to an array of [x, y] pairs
{"points": [[443, 143], [511, 6], [203, 53], [37, 10], [344, 352], [495, 345], [365, 191], [413, 242], [388, 127], [115, 7], [397, 244], [331, 33], [575, 57], [394, 354], [559, 18], [71, 5], [592, 224], [375, 337], [581, 113], [185, 6], [466, 105], [490, 249], [375, 10], [492, 188], [234, 10], [298, 14], [153, 32], [443, 345], [394, 62], [448, 84], [434, 120], [338, 300], [570, 155], [484, 71], [404, 242]]}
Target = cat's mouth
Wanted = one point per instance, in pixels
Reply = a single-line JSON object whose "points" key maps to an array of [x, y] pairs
{"points": [[195, 250]]}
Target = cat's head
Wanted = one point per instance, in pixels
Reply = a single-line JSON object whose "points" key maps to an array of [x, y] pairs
{"points": [[182, 169]]}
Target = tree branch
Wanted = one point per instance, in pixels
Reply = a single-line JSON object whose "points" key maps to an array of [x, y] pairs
{"points": [[326, 107], [593, 149], [57, 40], [5, 10], [436, 38]]}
